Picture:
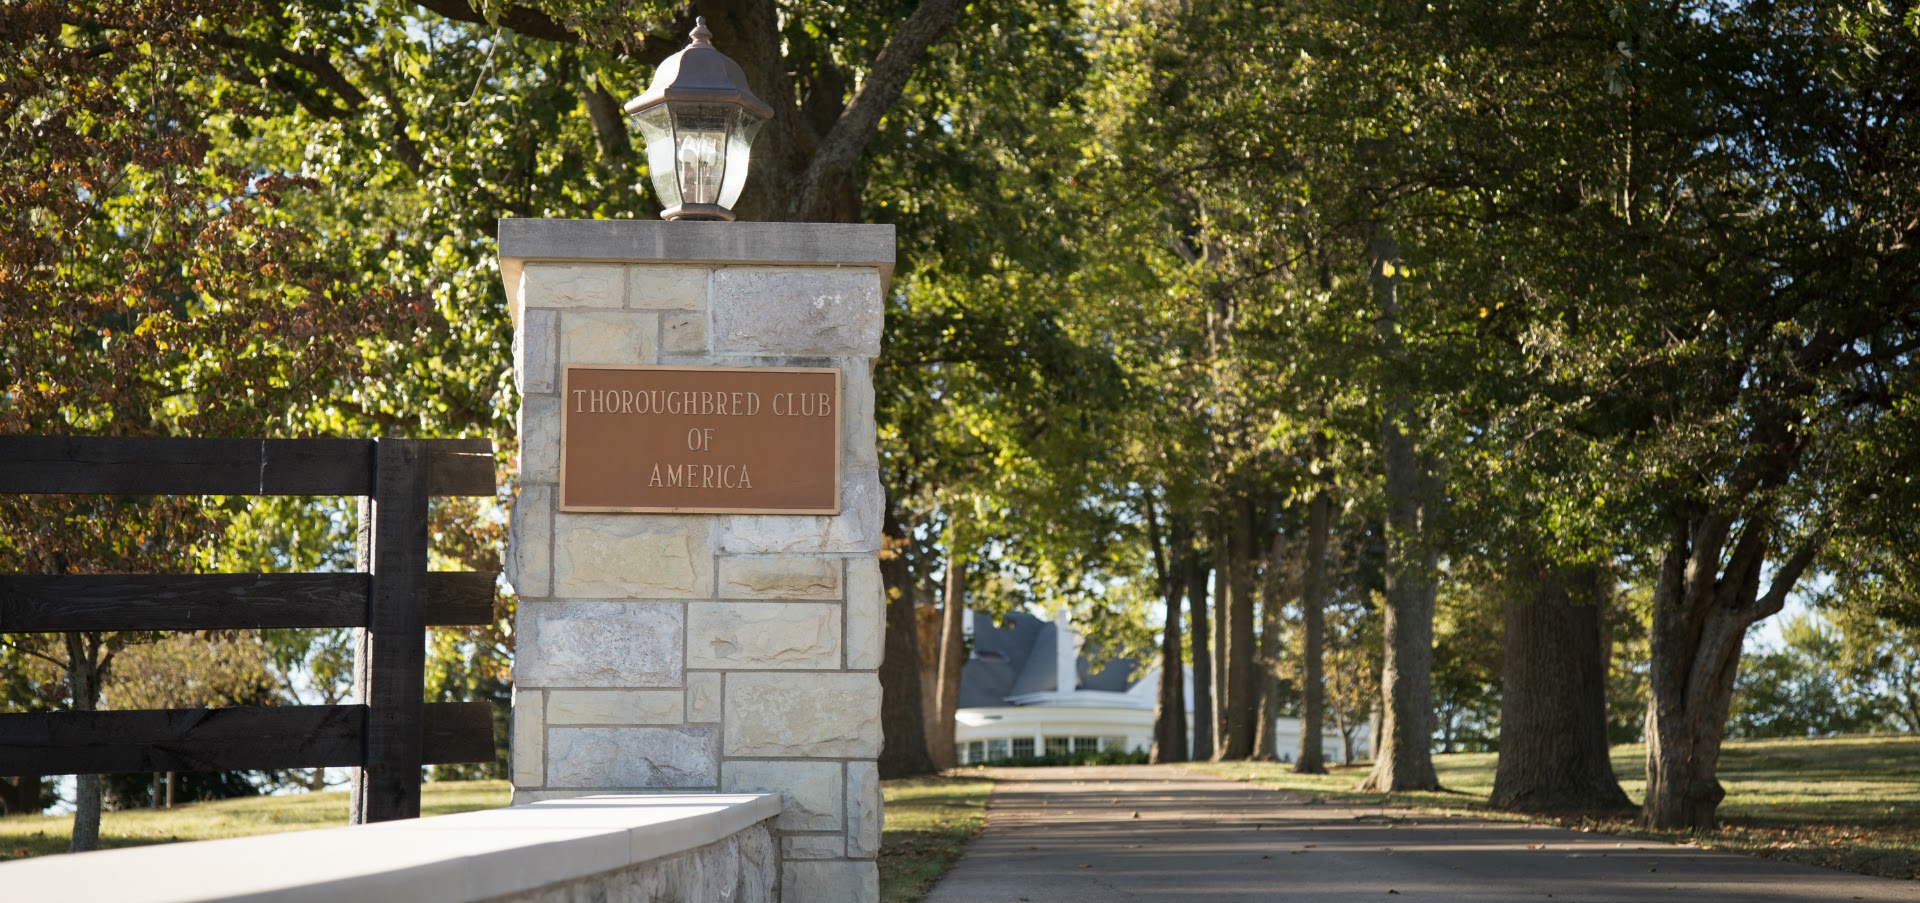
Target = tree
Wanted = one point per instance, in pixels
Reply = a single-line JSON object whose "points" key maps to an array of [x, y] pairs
{"points": [[1553, 730], [149, 289], [1311, 758], [184, 671], [1748, 195], [1878, 657], [1800, 689], [1170, 565]]}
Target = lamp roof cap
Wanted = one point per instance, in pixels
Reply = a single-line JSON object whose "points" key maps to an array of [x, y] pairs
{"points": [[700, 74]]}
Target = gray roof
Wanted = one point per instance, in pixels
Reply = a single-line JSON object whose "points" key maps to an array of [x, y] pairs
{"points": [[1016, 657]]}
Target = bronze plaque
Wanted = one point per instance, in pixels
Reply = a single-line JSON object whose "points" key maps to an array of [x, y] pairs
{"points": [[700, 440]]}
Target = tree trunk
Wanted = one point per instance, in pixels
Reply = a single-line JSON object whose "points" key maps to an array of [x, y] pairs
{"points": [[1403, 750], [20, 796], [1243, 705], [1221, 607], [952, 642], [1707, 595], [1203, 719], [1375, 730], [903, 751], [926, 640], [83, 682], [1267, 675], [1170, 705], [1313, 603], [173, 781], [1553, 702]]}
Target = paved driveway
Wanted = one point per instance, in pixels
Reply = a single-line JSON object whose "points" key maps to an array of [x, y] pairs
{"points": [[1158, 833]]}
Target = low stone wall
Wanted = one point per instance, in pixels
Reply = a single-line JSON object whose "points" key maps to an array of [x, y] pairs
{"points": [[699, 848], [743, 868]]}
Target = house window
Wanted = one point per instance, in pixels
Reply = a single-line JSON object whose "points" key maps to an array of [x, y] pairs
{"points": [[996, 748], [960, 753], [1115, 744], [976, 752], [1023, 747], [1086, 745], [1057, 746]]}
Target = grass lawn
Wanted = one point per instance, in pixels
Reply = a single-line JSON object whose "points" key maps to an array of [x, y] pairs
{"points": [[1849, 803], [929, 821], [36, 835]]}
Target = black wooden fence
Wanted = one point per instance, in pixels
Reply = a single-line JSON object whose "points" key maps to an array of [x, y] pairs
{"points": [[388, 736]]}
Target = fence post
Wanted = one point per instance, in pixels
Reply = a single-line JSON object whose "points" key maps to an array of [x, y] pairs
{"points": [[390, 660]]}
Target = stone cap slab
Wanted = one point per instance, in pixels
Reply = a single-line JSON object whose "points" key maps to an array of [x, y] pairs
{"points": [[448, 859], [632, 241]]}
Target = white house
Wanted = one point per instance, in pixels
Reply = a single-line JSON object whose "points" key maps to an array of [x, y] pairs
{"points": [[1027, 691]]}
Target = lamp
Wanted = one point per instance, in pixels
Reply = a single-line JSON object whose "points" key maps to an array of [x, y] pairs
{"points": [[698, 120]]}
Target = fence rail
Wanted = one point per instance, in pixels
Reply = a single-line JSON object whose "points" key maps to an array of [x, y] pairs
{"points": [[388, 736]]}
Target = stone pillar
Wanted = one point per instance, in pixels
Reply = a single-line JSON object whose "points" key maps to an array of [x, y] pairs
{"points": [[690, 652]]}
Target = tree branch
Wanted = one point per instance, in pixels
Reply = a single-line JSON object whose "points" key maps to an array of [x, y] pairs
{"points": [[304, 94], [878, 92], [609, 123], [1789, 574], [530, 22], [652, 48]]}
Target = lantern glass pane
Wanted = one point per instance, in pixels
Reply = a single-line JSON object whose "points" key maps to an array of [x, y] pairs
{"points": [[656, 129], [700, 139], [739, 142]]}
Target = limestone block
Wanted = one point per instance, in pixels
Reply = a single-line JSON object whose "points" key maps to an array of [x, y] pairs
{"points": [[535, 341], [539, 439], [613, 556], [616, 706], [797, 310], [683, 334], [866, 614], [810, 791], [599, 644], [759, 860], [633, 757], [806, 715], [858, 448], [779, 577], [528, 738], [856, 529], [609, 337], [529, 539], [549, 286], [813, 846], [703, 696], [865, 810], [667, 288], [755, 635], [840, 881]]}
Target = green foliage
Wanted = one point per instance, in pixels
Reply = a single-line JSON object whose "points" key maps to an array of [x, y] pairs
{"points": [[1627, 619], [1846, 671], [1795, 691], [1467, 636]]}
